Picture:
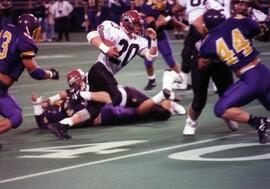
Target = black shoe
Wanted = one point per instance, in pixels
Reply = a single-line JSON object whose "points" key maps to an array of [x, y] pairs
{"points": [[263, 130], [60, 130], [150, 85]]}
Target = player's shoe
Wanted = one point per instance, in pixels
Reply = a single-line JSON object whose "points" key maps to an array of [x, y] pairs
{"points": [[178, 109], [170, 95], [233, 125], [181, 86], [190, 127], [150, 85], [263, 130], [59, 130]]}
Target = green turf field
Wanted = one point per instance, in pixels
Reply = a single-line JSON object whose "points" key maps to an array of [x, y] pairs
{"points": [[143, 156]]}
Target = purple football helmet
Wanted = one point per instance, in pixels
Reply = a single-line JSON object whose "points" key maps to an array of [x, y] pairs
{"points": [[212, 18], [30, 24]]}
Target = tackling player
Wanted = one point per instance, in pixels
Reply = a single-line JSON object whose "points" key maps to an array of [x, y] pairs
{"points": [[231, 42], [17, 51]]}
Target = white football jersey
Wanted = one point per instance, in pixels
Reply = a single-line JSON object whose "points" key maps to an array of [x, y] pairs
{"points": [[223, 5], [196, 8], [127, 47]]}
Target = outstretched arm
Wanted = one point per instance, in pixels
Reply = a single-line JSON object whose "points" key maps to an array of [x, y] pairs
{"points": [[38, 73]]}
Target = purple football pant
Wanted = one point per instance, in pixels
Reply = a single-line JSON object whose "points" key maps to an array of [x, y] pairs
{"points": [[253, 84], [10, 109], [112, 115], [166, 51]]}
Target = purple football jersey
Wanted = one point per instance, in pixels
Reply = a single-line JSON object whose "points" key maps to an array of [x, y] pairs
{"points": [[230, 42], [14, 46]]}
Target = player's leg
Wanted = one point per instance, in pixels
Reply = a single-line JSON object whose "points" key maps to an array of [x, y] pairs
{"points": [[228, 106], [191, 39], [12, 115], [100, 79], [200, 80], [150, 75], [223, 79]]}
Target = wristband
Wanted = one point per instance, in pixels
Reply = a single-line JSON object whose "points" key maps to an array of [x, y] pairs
{"points": [[167, 18], [153, 42], [54, 98], [85, 95], [104, 48]]}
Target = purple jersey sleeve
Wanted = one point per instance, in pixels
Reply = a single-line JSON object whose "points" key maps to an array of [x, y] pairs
{"points": [[26, 46]]}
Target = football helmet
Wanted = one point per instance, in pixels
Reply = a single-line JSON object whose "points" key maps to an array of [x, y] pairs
{"points": [[213, 18], [131, 21], [30, 24], [241, 7], [76, 79]]}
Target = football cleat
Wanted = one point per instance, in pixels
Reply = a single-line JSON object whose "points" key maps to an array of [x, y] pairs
{"points": [[150, 85], [170, 95], [233, 125], [263, 130], [190, 127], [59, 130]]}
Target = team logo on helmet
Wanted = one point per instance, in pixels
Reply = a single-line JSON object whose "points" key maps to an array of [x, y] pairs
{"points": [[131, 21], [30, 24]]}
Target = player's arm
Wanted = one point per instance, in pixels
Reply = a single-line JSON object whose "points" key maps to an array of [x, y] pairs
{"points": [[62, 95], [96, 39], [36, 72], [152, 52], [39, 111]]}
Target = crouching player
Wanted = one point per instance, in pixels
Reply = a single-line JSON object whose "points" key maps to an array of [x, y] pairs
{"points": [[230, 41], [17, 51]]}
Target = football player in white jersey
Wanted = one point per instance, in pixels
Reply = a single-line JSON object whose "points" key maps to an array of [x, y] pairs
{"points": [[125, 42]]}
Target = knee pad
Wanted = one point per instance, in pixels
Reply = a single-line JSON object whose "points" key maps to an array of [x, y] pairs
{"points": [[16, 119], [219, 109]]}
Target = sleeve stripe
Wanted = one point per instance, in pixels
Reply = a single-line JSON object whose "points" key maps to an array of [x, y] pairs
{"points": [[28, 53]]}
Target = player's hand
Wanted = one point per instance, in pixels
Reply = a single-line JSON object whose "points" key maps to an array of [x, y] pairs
{"points": [[36, 99], [179, 25], [75, 94], [55, 74], [150, 32], [113, 52]]}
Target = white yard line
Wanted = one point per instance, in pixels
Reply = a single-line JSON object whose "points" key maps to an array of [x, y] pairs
{"points": [[113, 159]]}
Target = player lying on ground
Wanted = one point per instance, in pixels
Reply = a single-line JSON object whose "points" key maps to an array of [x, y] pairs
{"points": [[68, 108]]}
